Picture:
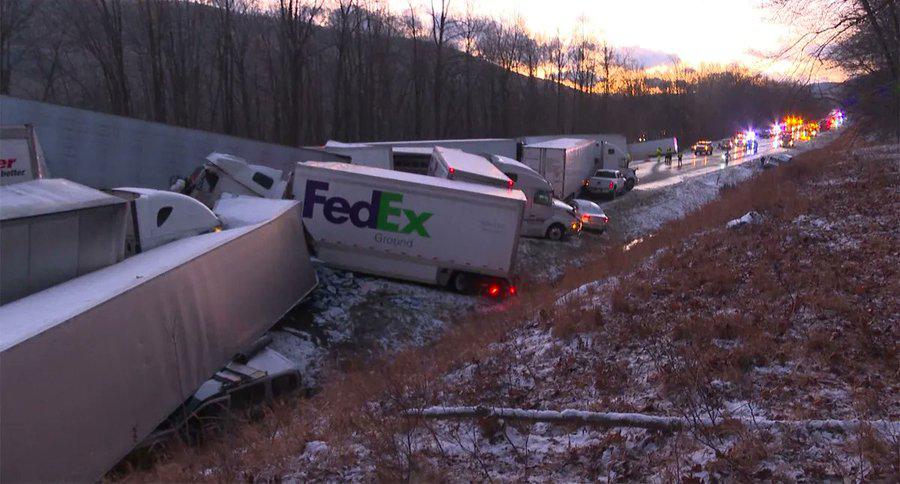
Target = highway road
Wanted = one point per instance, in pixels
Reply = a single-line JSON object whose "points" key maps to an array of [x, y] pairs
{"points": [[652, 174]]}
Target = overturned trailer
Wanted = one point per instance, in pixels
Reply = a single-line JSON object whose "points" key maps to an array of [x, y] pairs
{"points": [[91, 366]]}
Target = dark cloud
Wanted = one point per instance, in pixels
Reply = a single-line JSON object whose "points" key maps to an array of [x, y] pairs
{"points": [[649, 58]]}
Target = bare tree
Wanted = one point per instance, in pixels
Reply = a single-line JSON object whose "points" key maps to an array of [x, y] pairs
{"points": [[440, 36], [470, 26], [100, 29], [14, 18], [154, 16], [296, 21]]}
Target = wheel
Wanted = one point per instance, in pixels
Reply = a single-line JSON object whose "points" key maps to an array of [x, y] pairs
{"points": [[556, 232], [461, 283]]}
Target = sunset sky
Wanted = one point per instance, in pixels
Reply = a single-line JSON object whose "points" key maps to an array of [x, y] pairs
{"points": [[697, 31]]}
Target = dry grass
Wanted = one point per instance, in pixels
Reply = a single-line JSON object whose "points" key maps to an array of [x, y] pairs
{"points": [[712, 305]]}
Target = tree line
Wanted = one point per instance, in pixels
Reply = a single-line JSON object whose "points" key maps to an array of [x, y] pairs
{"points": [[862, 38], [303, 71]]}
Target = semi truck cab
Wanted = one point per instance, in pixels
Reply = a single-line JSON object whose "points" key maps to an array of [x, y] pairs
{"points": [[544, 216]]}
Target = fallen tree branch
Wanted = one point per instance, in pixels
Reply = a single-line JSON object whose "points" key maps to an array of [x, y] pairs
{"points": [[639, 420]]}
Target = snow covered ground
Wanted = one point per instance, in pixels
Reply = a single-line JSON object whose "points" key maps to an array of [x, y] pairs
{"points": [[711, 341], [357, 313]]}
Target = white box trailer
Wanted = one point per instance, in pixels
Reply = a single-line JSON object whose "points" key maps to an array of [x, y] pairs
{"points": [[53, 230], [564, 162], [458, 165], [360, 154], [648, 149], [480, 146], [91, 366], [409, 226], [21, 156]]}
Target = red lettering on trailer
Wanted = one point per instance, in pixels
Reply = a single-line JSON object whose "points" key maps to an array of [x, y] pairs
{"points": [[7, 163]]}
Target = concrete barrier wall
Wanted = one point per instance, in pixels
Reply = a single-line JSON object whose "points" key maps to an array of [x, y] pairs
{"points": [[103, 151]]}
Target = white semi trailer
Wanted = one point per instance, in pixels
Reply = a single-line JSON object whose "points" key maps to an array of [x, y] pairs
{"points": [[54, 230], [412, 227], [95, 362], [454, 164], [564, 162]]}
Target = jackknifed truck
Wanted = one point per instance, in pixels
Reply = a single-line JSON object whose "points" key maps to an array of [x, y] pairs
{"points": [[116, 306]]}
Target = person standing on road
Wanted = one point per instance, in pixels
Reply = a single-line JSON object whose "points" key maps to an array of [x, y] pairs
{"points": [[659, 154], [680, 156]]}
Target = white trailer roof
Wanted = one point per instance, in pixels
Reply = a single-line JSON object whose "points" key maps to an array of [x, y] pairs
{"points": [[504, 162], [412, 150], [469, 163], [49, 195], [438, 141], [562, 143], [401, 176]]}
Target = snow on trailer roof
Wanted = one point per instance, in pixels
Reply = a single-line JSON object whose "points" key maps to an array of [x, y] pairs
{"points": [[414, 178], [438, 141], [504, 161], [50, 195], [33, 314], [469, 163], [562, 143], [412, 150]]}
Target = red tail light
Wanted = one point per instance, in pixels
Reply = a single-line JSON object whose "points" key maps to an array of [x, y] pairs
{"points": [[451, 170], [585, 218], [606, 220], [510, 183], [612, 185], [494, 290], [512, 290]]}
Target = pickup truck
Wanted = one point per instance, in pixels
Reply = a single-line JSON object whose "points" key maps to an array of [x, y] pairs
{"points": [[605, 182]]}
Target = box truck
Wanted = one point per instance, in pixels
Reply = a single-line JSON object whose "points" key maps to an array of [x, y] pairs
{"points": [[544, 216], [564, 162], [413, 227], [21, 157], [458, 165]]}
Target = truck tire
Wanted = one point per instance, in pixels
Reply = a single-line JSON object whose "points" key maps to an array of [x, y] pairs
{"points": [[461, 283], [556, 232]]}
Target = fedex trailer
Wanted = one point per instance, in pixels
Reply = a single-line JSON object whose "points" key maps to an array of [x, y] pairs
{"points": [[564, 162], [413, 227]]}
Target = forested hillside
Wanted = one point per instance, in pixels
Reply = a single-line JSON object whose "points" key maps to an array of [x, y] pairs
{"points": [[304, 71]]}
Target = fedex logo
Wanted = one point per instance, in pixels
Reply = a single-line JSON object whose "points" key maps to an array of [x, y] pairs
{"points": [[382, 212], [7, 163]]}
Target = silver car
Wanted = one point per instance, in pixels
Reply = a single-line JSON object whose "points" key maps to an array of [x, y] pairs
{"points": [[592, 216]]}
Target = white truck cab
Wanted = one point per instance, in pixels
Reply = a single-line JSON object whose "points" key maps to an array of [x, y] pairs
{"points": [[157, 217], [544, 216], [223, 173]]}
